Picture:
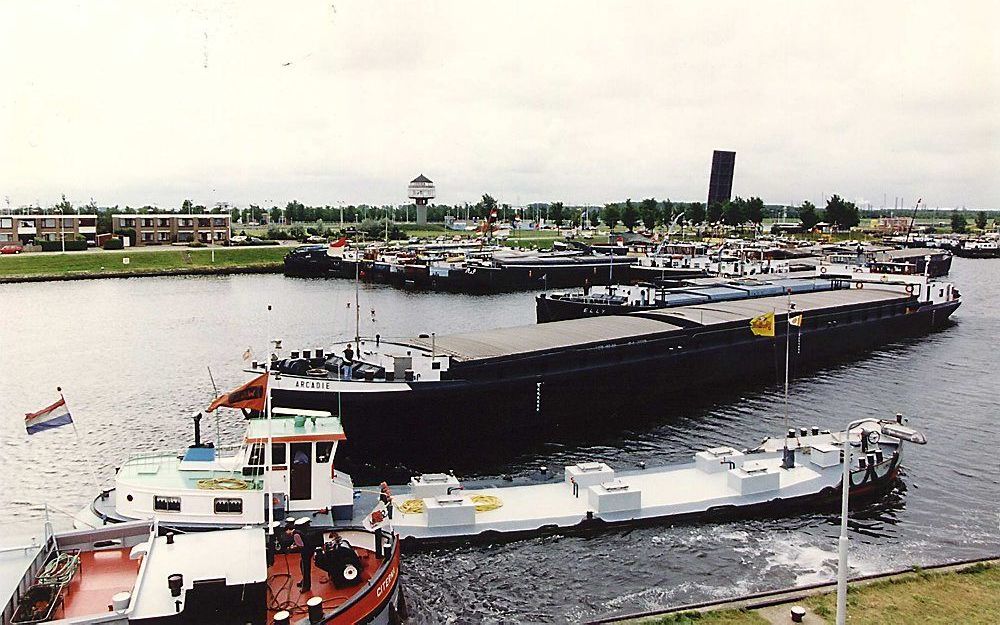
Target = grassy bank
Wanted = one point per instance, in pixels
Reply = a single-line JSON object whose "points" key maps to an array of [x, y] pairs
{"points": [[178, 260], [969, 595]]}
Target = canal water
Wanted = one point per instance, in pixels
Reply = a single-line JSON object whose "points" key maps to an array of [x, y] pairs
{"points": [[133, 356]]}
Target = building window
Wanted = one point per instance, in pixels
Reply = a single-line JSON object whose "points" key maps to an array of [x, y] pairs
{"points": [[163, 236], [48, 223], [166, 504], [228, 505], [67, 222], [6, 222], [147, 236], [5, 237], [147, 223], [163, 223]]}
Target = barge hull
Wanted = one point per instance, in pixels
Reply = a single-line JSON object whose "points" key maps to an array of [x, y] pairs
{"points": [[531, 398]]}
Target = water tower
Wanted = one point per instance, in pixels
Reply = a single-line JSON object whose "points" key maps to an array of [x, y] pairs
{"points": [[420, 190]]}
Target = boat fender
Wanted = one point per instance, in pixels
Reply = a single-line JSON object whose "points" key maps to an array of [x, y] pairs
{"points": [[885, 278], [859, 285], [909, 289]]}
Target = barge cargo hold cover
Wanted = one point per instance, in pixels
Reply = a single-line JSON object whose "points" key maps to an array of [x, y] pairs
{"points": [[515, 383]]}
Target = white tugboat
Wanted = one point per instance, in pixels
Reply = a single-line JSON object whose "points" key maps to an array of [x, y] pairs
{"points": [[205, 488]]}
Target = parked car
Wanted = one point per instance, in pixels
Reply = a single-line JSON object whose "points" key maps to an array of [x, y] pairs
{"points": [[316, 239], [11, 249]]}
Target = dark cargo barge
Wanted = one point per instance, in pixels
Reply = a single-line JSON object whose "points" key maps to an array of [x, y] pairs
{"points": [[505, 384]]}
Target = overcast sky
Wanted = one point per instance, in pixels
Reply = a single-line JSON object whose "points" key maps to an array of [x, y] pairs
{"points": [[583, 102]]}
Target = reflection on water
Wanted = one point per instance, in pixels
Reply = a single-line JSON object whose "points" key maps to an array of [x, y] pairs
{"points": [[132, 357]]}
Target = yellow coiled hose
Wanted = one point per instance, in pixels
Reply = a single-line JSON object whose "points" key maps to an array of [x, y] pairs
{"points": [[223, 483], [484, 503]]}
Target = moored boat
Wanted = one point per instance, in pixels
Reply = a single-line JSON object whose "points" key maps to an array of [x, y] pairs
{"points": [[139, 574], [520, 383], [802, 468]]}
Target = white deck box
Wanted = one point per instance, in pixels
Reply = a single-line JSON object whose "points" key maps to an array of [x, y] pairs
{"points": [[824, 455], [449, 510], [432, 484], [614, 496], [754, 477], [587, 474], [714, 460]]}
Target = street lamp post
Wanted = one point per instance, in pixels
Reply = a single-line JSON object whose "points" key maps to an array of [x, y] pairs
{"points": [[896, 430], [845, 488], [62, 235]]}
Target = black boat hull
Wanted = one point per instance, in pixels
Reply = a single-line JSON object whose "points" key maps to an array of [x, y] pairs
{"points": [[527, 400]]}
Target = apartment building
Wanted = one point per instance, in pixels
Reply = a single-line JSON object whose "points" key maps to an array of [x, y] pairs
{"points": [[17, 228], [164, 229]]}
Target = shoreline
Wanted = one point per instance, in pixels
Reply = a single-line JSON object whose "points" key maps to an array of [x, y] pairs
{"points": [[786, 596], [144, 273]]}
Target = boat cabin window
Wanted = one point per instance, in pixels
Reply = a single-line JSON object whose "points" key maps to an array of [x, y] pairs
{"points": [[323, 451], [228, 505], [256, 455], [278, 454], [166, 504]]}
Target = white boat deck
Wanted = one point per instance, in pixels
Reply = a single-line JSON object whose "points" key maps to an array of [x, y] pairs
{"points": [[667, 491]]}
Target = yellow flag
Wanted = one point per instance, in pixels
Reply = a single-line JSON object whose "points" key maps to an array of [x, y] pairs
{"points": [[763, 325], [796, 321]]}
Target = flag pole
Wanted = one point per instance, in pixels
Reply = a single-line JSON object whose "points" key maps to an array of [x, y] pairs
{"points": [[788, 334], [79, 440], [267, 462]]}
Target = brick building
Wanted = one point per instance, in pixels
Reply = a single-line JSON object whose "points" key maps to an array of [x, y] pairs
{"points": [[18, 228], [167, 228]]}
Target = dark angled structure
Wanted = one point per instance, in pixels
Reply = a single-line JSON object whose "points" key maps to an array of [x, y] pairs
{"points": [[720, 185]]}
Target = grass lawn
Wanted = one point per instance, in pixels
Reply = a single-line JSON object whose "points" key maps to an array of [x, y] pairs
{"points": [[94, 262], [968, 596]]}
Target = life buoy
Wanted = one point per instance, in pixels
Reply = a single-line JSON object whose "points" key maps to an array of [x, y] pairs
{"points": [[909, 289], [822, 269], [859, 285]]}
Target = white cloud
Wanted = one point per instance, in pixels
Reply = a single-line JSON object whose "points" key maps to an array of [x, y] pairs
{"points": [[576, 101]]}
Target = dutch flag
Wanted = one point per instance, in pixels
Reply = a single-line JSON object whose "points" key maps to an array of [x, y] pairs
{"points": [[47, 418]]}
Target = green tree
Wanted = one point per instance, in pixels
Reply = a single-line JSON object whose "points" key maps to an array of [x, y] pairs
{"points": [[808, 215], [486, 206], [695, 213], [65, 207], [630, 215], [667, 212], [650, 211], [187, 206], [734, 213], [594, 213], [842, 213], [295, 211], [959, 223], [755, 211], [981, 220], [610, 215], [556, 213], [715, 212]]}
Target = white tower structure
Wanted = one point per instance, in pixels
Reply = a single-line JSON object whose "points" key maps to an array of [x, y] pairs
{"points": [[421, 190]]}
